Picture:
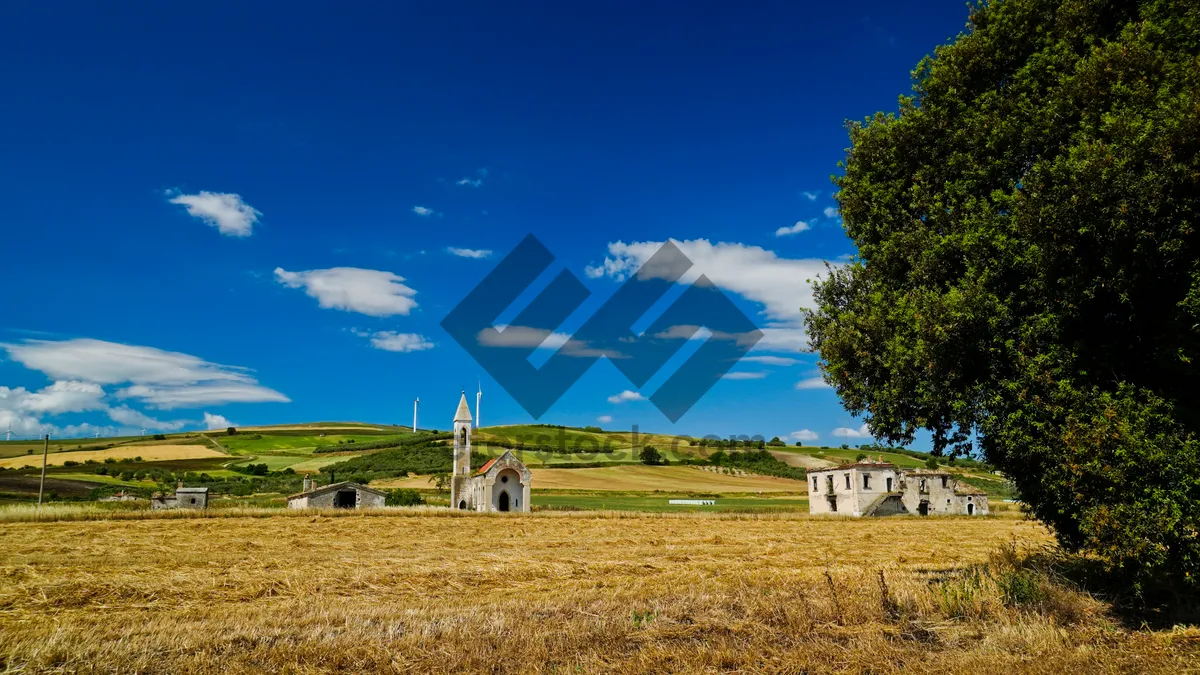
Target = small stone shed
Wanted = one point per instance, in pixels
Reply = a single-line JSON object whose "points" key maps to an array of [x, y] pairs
{"points": [[344, 495], [184, 498]]}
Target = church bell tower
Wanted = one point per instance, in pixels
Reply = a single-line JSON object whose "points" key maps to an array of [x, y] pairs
{"points": [[459, 481]]}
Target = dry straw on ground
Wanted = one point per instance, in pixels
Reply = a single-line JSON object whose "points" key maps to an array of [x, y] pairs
{"points": [[408, 591]]}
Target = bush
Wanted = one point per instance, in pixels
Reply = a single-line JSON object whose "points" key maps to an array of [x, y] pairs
{"points": [[404, 497], [70, 462], [231, 431], [860, 456], [160, 437], [651, 455], [931, 463]]}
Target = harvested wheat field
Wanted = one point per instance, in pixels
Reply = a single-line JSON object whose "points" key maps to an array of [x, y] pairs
{"points": [[437, 591], [148, 453]]}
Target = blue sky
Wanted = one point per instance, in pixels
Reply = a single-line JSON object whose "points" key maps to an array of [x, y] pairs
{"points": [[261, 214]]}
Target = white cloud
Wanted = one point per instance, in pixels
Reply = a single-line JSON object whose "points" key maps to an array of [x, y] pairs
{"points": [[816, 382], [476, 253], [113, 363], [744, 375], [845, 432], [526, 337], [831, 212], [811, 196], [423, 211], [130, 417], [473, 182], [391, 341], [771, 360], [207, 393], [626, 395], [370, 292], [63, 396], [161, 378], [223, 210], [781, 285], [805, 435], [212, 422], [799, 227], [604, 419]]}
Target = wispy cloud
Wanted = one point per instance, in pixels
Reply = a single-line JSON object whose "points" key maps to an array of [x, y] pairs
{"points": [[604, 419], [831, 212], [352, 289], [626, 395], [744, 375], [799, 227], [805, 435], [771, 360], [423, 211], [223, 210], [473, 182], [391, 341], [811, 196], [846, 432], [816, 382], [133, 418], [476, 253]]}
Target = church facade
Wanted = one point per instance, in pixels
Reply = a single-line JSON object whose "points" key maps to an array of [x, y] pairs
{"points": [[500, 485]]}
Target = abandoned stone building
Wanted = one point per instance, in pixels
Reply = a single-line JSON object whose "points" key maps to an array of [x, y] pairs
{"points": [[343, 495], [877, 488], [500, 485], [184, 498]]}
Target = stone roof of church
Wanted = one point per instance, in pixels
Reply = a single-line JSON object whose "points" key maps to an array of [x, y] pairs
{"points": [[464, 411], [484, 469]]}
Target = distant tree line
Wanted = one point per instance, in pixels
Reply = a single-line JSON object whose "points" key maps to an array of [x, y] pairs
{"points": [[393, 442]]}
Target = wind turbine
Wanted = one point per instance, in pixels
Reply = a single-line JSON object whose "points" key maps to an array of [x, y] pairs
{"points": [[9, 432], [478, 397], [416, 404], [143, 431]]}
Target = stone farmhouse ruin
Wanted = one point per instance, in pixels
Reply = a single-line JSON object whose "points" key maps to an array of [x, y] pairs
{"points": [[184, 498], [878, 488], [500, 485], [343, 495]]}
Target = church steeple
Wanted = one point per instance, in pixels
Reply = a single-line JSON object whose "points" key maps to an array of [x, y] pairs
{"points": [[464, 411], [462, 449]]}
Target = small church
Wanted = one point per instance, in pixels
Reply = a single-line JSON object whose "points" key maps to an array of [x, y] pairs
{"points": [[500, 485]]}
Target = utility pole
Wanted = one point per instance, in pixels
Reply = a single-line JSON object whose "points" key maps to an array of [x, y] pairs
{"points": [[42, 485]]}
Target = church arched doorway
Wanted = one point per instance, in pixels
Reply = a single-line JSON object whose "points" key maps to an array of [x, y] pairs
{"points": [[503, 503], [970, 509], [462, 504]]}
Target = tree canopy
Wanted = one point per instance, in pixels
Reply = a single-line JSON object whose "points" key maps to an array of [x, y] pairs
{"points": [[1028, 276]]}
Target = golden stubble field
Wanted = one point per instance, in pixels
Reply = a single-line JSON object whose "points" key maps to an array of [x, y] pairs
{"points": [[148, 453], [429, 591]]}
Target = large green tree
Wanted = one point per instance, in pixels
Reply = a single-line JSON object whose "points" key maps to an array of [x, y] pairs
{"points": [[1028, 276]]}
